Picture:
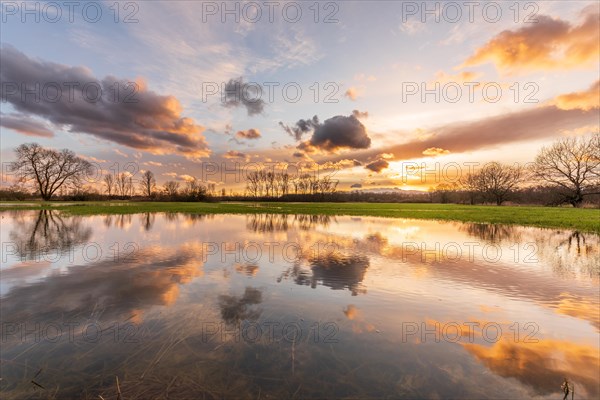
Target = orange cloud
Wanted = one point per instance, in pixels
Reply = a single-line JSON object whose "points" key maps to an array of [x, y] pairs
{"points": [[585, 100], [520, 126], [548, 44], [249, 134], [543, 365], [461, 77], [234, 154], [435, 151], [351, 93]]}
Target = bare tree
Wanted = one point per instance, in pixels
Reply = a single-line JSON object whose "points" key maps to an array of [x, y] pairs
{"points": [[121, 184], [497, 181], [268, 183], [443, 192], [130, 189], [171, 188], [49, 169], [283, 182], [195, 190], [471, 185], [326, 185], [148, 183], [253, 184], [572, 166], [109, 182]]}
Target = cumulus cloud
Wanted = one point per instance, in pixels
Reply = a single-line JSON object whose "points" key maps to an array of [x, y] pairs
{"points": [[586, 100], [138, 118], [249, 134], [301, 127], [435, 151], [339, 132], [25, 125], [377, 166], [238, 93], [548, 44]]}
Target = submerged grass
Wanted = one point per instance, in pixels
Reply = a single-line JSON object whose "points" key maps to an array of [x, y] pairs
{"points": [[585, 220]]}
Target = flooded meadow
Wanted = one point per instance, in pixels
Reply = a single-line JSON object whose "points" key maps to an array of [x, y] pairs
{"points": [[174, 305]]}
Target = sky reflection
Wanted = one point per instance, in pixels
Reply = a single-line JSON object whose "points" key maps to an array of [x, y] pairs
{"points": [[382, 307]]}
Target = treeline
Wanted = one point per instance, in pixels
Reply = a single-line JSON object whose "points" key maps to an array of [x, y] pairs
{"points": [[567, 172], [264, 183], [122, 185], [530, 195]]}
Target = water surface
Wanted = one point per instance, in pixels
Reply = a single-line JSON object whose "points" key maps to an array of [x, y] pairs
{"points": [[273, 306]]}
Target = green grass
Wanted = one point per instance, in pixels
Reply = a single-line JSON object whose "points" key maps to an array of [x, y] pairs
{"points": [[587, 220]]}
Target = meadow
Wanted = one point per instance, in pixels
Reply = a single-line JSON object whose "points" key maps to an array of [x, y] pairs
{"points": [[580, 219]]}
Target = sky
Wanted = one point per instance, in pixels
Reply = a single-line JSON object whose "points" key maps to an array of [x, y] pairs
{"points": [[376, 94]]}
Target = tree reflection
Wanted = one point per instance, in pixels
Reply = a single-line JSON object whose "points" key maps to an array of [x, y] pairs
{"points": [[335, 271], [283, 222], [235, 309], [494, 233], [120, 221], [147, 220], [577, 249], [48, 232]]}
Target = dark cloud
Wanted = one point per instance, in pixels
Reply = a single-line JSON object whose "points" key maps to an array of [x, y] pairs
{"points": [[356, 186], [72, 98], [238, 93], [339, 132], [25, 125], [360, 114], [378, 166], [249, 134], [301, 127]]}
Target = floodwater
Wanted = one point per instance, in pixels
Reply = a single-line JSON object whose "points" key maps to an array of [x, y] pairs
{"points": [[269, 306]]}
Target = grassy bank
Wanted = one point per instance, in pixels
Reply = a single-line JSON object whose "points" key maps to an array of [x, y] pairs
{"points": [[548, 217]]}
